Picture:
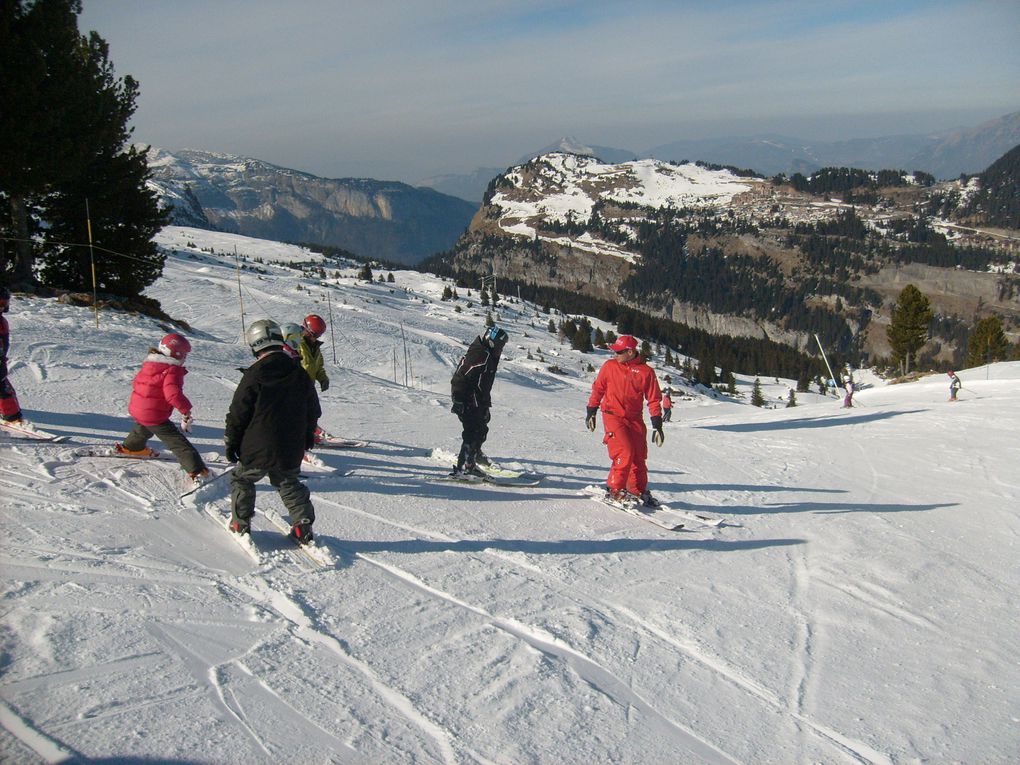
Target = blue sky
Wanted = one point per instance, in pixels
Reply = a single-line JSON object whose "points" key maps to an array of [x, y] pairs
{"points": [[401, 90]]}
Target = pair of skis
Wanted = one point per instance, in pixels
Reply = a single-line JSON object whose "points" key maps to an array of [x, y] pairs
{"points": [[493, 474], [26, 430], [660, 515], [309, 554]]}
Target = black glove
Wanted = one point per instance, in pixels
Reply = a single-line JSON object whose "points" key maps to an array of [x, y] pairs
{"points": [[657, 435], [324, 384], [589, 419], [488, 416], [458, 408], [232, 453]]}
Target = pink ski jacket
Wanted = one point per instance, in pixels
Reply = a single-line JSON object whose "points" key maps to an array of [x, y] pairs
{"points": [[158, 389]]}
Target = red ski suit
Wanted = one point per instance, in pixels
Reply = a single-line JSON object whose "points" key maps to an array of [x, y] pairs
{"points": [[620, 390], [158, 389]]}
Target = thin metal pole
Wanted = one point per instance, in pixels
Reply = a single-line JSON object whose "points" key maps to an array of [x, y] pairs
{"points": [[240, 296], [403, 337], [92, 259], [332, 340], [826, 360]]}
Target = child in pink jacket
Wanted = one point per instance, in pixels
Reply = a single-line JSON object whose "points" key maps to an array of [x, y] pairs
{"points": [[157, 390]]}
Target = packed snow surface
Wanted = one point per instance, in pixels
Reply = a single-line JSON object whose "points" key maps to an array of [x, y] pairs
{"points": [[858, 604]]}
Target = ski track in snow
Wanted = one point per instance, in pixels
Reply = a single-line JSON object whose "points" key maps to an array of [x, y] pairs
{"points": [[604, 679], [744, 643]]}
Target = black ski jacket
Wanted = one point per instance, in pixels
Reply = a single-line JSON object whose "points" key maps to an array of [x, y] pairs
{"points": [[273, 414], [472, 381]]}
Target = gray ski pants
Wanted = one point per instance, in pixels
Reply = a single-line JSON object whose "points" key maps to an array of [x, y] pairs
{"points": [[172, 438], [295, 495]]}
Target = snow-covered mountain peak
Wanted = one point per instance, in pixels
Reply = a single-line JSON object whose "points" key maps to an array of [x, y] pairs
{"points": [[565, 187]]}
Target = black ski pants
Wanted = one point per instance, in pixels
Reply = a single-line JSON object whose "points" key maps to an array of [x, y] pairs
{"points": [[475, 424], [294, 494]]}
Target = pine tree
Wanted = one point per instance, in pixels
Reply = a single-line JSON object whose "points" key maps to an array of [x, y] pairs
{"points": [[804, 381], [123, 223], [581, 340], [987, 343], [731, 382], [64, 124], [365, 274], [908, 330], [757, 399], [791, 401], [706, 368]]}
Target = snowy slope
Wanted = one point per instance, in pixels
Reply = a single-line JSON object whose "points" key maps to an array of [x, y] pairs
{"points": [[859, 604]]}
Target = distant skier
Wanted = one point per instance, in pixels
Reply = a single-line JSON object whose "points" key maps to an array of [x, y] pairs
{"points": [[310, 351], [10, 409], [848, 399], [622, 386], [270, 424], [954, 385], [470, 389], [156, 391], [667, 405]]}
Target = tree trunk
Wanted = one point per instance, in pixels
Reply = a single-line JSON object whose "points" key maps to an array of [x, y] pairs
{"points": [[24, 258]]}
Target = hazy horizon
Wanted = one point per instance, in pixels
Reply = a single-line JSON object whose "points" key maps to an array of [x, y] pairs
{"points": [[397, 92]]}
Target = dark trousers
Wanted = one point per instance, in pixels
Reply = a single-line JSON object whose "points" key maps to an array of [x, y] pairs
{"points": [[295, 495], [475, 429], [172, 439]]}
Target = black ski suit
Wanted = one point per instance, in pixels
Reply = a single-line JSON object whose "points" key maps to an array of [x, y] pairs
{"points": [[470, 388], [271, 422]]}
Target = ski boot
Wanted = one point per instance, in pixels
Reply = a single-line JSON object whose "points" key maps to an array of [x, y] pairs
{"points": [[301, 532], [144, 453], [647, 500]]}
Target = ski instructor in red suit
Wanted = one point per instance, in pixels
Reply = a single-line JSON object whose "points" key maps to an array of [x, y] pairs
{"points": [[621, 388]]}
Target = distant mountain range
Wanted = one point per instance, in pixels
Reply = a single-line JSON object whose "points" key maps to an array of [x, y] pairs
{"points": [[944, 155], [743, 256], [372, 219]]}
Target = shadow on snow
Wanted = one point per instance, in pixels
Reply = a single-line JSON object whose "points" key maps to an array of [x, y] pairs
{"points": [[827, 421]]}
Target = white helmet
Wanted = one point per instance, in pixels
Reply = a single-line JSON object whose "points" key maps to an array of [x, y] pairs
{"points": [[292, 334], [262, 335]]}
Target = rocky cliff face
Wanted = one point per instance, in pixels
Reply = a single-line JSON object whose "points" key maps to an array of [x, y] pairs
{"points": [[748, 257], [373, 219]]}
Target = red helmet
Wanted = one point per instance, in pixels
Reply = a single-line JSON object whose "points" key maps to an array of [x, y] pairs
{"points": [[624, 343], [175, 346], [314, 325]]}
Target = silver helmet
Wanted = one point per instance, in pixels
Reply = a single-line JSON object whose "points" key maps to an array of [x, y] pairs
{"points": [[292, 334], [262, 335]]}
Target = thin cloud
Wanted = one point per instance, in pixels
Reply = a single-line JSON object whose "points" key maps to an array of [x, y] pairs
{"points": [[419, 87]]}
